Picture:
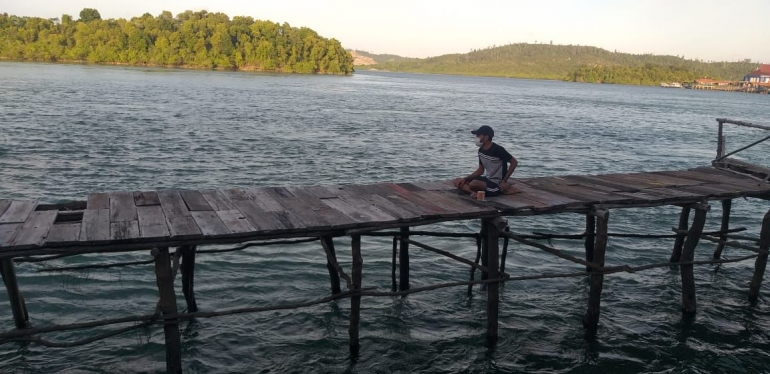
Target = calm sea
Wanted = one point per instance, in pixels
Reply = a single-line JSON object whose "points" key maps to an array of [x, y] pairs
{"points": [[66, 130]]}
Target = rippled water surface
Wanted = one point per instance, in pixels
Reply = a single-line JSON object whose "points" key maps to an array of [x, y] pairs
{"points": [[66, 130]]}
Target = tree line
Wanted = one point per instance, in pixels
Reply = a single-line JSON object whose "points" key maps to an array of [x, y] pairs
{"points": [[191, 39], [572, 62]]}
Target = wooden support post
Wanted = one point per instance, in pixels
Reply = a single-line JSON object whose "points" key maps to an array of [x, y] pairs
{"points": [[759, 268], [484, 249], [18, 307], [684, 218], [476, 261], [493, 289], [726, 206], [505, 251], [188, 277], [590, 238], [393, 281], [165, 281], [403, 260], [355, 301], [591, 319], [327, 242], [688, 254]]}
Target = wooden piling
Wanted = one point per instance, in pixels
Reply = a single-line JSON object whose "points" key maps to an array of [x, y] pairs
{"points": [[761, 262], [476, 261], [188, 277], [726, 207], [589, 239], [327, 242], [688, 254], [18, 307], [591, 319], [165, 283], [484, 249], [684, 218], [355, 301], [403, 260], [493, 289], [506, 240], [393, 282]]}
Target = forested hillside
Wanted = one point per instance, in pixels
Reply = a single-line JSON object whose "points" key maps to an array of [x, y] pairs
{"points": [[576, 63], [191, 39]]}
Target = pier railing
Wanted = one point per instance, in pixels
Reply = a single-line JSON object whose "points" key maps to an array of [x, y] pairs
{"points": [[723, 161]]}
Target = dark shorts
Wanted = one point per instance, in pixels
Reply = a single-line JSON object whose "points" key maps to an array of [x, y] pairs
{"points": [[493, 189]]}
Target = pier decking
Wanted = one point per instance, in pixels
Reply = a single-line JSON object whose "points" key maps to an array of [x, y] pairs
{"points": [[186, 219], [119, 221]]}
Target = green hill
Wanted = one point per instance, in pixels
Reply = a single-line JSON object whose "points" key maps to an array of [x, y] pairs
{"points": [[570, 62], [191, 39], [383, 58]]}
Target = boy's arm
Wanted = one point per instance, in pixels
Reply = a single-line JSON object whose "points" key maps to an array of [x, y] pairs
{"points": [[478, 172], [514, 163]]}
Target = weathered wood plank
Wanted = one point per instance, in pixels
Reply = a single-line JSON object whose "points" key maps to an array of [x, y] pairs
{"points": [[235, 221], [173, 204], [64, 233], [95, 226], [152, 222], [217, 200], [210, 223], [195, 201], [18, 211], [183, 227], [305, 215], [267, 202], [124, 230], [34, 231], [431, 210], [146, 198], [261, 220], [122, 207], [593, 181], [7, 232], [4, 204], [98, 201], [335, 218]]}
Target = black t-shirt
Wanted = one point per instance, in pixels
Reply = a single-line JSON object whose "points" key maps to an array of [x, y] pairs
{"points": [[495, 162]]}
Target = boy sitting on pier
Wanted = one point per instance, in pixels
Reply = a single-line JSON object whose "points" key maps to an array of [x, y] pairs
{"points": [[493, 171]]}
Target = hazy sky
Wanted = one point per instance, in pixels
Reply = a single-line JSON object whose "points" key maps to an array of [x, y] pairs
{"points": [[705, 29]]}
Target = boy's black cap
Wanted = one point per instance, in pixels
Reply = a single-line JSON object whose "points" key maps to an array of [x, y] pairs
{"points": [[484, 130]]}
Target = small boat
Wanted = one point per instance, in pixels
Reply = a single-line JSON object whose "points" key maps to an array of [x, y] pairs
{"points": [[671, 85]]}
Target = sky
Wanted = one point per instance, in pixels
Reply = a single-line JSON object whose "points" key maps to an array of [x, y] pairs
{"points": [[717, 30]]}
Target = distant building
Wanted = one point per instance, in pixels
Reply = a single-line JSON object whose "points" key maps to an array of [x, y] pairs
{"points": [[711, 82], [761, 75]]}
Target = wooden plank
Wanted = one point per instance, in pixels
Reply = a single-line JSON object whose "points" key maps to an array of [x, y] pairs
{"points": [[321, 192], [18, 211], [183, 227], [460, 207], [347, 209], [98, 201], [295, 208], [235, 221], [4, 204], [390, 207], [217, 200], [261, 220], [95, 226], [431, 210], [146, 198], [594, 181], [375, 214], [34, 231], [236, 195], [547, 199], [122, 207], [335, 218], [124, 230], [64, 233], [152, 222], [267, 202], [577, 192], [173, 204], [435, 185], [516, 202], [7, 232], [210, 223], [195, 201], [726, 178]]}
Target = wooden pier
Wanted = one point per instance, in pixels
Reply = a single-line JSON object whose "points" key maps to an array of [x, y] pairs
{"points": [[156, 221]]}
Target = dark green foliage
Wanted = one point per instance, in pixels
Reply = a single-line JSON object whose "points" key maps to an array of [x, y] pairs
{"points": [[575, 63], [89, 14], [191, 39]]}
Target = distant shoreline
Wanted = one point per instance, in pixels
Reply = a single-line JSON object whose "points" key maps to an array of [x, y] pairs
{"points": [[147, 65]]}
